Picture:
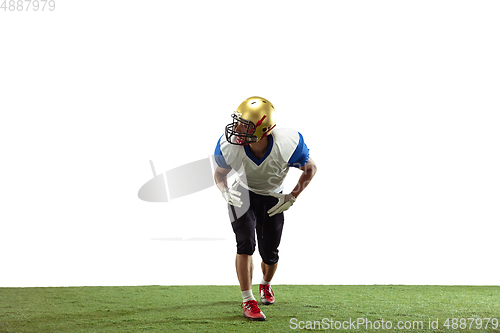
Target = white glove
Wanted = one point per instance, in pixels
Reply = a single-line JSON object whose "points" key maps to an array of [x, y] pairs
{"points": [[285, 201], [232, 196]]}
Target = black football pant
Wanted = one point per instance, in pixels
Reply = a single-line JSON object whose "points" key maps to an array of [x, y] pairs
{"points": [[256, 220]]}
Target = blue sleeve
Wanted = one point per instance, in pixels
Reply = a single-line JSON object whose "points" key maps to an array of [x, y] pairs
{"points": [[300, 156], [219, 158]]}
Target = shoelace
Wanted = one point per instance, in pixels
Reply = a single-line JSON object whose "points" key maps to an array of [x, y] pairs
{"points": [[252, 306], [267, 291]]}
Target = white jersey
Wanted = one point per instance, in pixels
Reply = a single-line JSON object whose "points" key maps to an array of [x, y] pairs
{"points": [[266, 175]]}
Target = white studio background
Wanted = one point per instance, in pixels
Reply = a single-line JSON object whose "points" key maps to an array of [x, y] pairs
{"points": [[398, 102]]}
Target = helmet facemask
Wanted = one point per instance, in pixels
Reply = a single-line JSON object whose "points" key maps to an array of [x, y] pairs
{"points": [[240, 131]]}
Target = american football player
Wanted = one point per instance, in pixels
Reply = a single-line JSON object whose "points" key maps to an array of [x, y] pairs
{"points": [[261, 156]]}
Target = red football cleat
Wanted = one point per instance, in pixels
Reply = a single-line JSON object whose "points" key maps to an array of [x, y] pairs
{"points": [[266, 294], [251, 310]]}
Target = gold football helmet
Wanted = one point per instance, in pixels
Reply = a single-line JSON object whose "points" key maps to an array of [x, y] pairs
{"points": [[254, 119]]}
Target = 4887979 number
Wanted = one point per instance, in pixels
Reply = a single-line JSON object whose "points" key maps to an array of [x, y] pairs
{"points": [[28, 5], [470, 323]]}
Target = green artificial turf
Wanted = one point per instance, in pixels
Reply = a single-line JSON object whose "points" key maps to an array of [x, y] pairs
{"points": [[217, 308]]}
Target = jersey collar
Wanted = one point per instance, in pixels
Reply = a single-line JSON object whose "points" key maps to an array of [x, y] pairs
{"points": [[269, 148]]}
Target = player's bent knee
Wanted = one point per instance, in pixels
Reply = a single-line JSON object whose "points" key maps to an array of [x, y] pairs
{"points": [[245, 248], [270, 260], [244, 253]]}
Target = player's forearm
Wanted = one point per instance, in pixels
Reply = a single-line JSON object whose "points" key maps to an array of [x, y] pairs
{"points": [[220, 181], [306, 177]]}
